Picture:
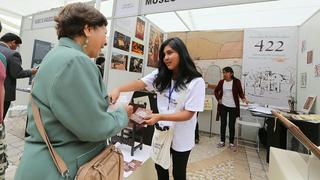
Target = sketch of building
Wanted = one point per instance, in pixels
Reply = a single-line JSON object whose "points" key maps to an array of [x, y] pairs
{"points": [[269, 84]]}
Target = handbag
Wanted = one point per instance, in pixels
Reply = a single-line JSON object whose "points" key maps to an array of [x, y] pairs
{"points": [[108, 165], [162, 139]]}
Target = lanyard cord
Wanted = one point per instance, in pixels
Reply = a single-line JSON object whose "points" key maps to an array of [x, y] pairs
{"points": [[170, 93]]}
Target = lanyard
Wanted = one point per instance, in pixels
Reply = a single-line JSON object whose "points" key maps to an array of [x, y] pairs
{"points": [[170, 94]]}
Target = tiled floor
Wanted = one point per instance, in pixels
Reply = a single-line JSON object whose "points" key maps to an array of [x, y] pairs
{"points": [[206, 161]]}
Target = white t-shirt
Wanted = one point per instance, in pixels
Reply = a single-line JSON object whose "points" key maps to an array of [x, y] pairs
{"points": [[227, 97], [184, 132]]}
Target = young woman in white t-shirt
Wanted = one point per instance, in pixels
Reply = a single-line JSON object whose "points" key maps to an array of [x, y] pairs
{"points": [[227, 92], [176, 73]]}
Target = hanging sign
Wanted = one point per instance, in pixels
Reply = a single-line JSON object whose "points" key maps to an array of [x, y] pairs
{"points": [[44, 19], [158, 6], [127, 8]]}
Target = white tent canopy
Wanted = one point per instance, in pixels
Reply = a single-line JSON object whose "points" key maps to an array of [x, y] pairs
{"points": [[256, 15], [12, 11], [265, 14]]}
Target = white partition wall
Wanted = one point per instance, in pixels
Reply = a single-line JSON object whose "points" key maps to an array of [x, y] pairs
{"points": [[29, 35], [309, 42]]}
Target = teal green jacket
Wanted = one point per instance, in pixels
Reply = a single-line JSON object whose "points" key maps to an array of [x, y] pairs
{"points": [[71, 95], [3, 60]]}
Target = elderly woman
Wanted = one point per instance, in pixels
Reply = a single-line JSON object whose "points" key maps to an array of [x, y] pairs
{"points": [[71, 96]]}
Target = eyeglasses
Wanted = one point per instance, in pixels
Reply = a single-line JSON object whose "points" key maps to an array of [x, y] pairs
{"points": [[164, 128]]}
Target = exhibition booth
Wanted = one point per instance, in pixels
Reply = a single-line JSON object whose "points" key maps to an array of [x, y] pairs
{"points": [[271, 46]]}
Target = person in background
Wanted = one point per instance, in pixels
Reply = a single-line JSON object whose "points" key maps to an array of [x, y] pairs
{"points": [[100, 63], [3, 146], [176, 73], [8, 45], [71, 96], [227, 93]]}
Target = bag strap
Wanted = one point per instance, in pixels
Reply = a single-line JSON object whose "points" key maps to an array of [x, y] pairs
{"points": [[60, 164]]}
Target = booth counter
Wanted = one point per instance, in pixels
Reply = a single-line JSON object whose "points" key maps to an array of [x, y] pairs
{"points": [[285, 165], [146, 170]]}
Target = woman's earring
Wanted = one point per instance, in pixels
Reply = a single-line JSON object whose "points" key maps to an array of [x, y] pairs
{"points": [[85, 43]]}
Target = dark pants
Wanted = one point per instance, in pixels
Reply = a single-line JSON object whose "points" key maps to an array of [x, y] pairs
{"points": [[232, 121], [179, 170], [197, 131], [6, 107]]}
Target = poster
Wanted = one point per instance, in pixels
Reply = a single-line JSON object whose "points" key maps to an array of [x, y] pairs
{"points": [[317, 71], [140, 26], [155, 40], [137, 48], [40, 50], [303, 79], [269, 65], [121, 41], [208, 103], [126, 24], [309, 57], [119, 61], [136, 65]]}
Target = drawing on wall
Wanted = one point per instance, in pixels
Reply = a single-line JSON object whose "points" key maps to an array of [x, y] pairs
{"points": [[237, 71], [121, 41], [140, 29], [303, 79], [137, 48], [136, 64], [222, 44], [317, 71], [155, 40], [119, 61], [199, 70], [309, 57], [212, 76], [267, 83]]}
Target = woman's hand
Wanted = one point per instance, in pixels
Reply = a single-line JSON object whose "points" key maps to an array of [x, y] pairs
{"points": [[114, 95], [153, 119], [244, 100]]}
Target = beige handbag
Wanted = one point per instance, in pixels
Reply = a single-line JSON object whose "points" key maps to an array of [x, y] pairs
{"points": [[108, 165]]}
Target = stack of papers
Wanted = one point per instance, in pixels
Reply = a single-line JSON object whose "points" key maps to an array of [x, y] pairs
{"points": [[124, 99], [260, 109]]}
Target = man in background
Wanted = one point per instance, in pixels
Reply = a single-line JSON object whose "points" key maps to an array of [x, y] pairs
{"points": [[8, 44]]}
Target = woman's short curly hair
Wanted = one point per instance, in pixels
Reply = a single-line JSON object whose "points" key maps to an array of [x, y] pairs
{"points": [[73, 18]]}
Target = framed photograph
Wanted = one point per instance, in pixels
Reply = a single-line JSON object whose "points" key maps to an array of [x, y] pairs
{"points": [[303, 79], [317, 71], [121, 41], [40, 50], [140, 29], [155, 40], [137, 48], [119, 61], [136, 65], [308, 104], [309, 57]]}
